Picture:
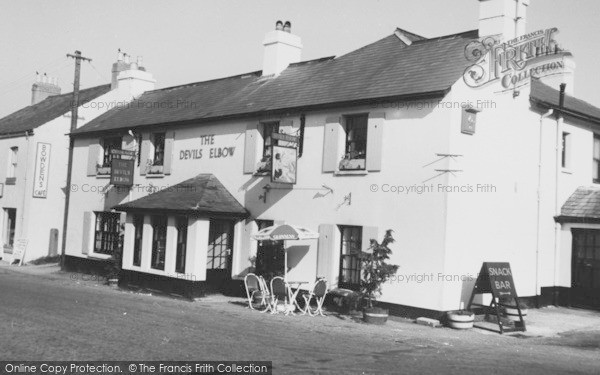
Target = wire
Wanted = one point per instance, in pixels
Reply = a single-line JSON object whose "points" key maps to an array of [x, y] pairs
{"points": [[98, 72]]}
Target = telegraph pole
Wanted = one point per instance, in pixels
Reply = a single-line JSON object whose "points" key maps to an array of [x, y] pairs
{"points": [[74, 114]]}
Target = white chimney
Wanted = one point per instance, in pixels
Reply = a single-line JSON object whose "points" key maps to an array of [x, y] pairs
{"points": [[502, 17], [282, 48], [43, 88]]}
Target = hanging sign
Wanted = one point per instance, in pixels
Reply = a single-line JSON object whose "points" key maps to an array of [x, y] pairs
{"points": [[42, 164], [122, 167], [284, 162], [19, 249]]}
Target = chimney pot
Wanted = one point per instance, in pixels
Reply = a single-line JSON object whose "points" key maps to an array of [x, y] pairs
{"points": [[127, 61], [279, 25], [140, 61], [287, 27], [44, 87]]}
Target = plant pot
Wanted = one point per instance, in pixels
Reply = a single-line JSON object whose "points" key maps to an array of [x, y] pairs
{"points": [[375, 315], [460, 320], [513, 314], [113, 282]]}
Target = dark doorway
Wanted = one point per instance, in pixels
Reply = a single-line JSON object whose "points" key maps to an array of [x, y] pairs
{"points": [[220, 252], [270, 256], [585, 268]]}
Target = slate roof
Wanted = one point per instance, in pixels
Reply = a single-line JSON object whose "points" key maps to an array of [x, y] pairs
{"points": [[204, 195], [549, 97], [48, 109], [387, 69], [582, 206]]}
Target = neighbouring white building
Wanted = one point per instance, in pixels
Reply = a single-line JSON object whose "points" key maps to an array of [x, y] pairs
{"points": [[460, 144], [34, 154]]}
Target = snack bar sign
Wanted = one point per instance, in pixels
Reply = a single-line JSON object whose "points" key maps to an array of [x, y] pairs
{"points": [[42, 162], [515, 61]]}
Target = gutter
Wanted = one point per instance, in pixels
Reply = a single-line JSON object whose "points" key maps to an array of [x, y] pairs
{"points": [[575, 114], [26, 133], [538, 219], [557, 209], [283, 111]]}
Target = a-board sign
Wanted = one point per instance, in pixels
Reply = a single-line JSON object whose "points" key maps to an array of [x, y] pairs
{"points": [[496, 278], [19, 250]]}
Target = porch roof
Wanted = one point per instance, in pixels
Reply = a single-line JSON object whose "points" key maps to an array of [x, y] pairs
{"points": [[203, 195], [583, 206]]}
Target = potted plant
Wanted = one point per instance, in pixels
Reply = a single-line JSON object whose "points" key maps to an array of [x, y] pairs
{"points": [[376, 271], [264, 166], [460, 319], [102, 170], [511, 312]]}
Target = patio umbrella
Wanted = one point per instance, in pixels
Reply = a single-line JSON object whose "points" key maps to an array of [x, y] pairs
{"points": [[284, 232]]}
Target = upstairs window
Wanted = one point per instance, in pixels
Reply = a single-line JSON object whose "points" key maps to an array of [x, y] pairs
{"points": [[11, 173], [109, 144], [158, 141], [566, 150], [268, 129], [356, 142], [596, 171]]}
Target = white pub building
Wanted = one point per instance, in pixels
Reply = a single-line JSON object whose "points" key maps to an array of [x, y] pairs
{"points": [[463, 145]]}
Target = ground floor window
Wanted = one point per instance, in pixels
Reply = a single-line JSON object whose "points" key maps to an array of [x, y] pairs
{"points": [[106, 236], [350, 264], [270, 256], [138, 224], [182, 229], [159, 242], [220, 245], [10, 216]]}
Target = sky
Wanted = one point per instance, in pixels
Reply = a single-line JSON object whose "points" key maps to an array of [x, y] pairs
{"points": [[184, 41]]}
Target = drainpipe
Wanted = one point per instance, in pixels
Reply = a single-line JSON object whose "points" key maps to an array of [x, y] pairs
{"points": [[538, 220], [557, 226], [28, 143]]}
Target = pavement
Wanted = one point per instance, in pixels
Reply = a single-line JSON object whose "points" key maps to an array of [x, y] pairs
{"points": [[46, 314]]}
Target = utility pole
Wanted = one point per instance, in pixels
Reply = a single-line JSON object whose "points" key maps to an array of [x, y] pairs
{"points": [[74, 114]]}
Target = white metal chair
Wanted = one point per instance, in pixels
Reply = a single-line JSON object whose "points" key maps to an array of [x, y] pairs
{"points": [[280, 291], [252, 283], [266, 295], [318, 292]]}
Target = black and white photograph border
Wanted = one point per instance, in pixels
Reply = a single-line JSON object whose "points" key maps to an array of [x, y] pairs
{"points": [[279, 187]]}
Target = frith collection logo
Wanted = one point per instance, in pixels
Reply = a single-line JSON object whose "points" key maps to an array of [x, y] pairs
{"points": [[513, 62]]}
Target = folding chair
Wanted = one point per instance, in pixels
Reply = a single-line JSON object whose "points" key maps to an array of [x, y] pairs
{"points": [[279, 291], [252, 284], [319, 292], [266, 295]]}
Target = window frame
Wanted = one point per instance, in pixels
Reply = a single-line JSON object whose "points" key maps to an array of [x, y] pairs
{"points": [[107, 147], [158, 153], [159, 253], [13, 162], [138, 238], [181, 223], [109, 240], [596, 159], [355, 263], [10, 227], [274, 127], [565, 158], [351, 121]]}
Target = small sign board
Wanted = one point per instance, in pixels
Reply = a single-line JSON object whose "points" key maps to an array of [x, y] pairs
{"points": [[284, 164], [42, 165], [285, 137], [121, 172], [496, 278], [122, 154], [19, 249]]}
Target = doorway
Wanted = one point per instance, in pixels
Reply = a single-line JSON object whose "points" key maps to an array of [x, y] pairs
{"points": [[585, 268], [8, 232], [220, 252]]}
